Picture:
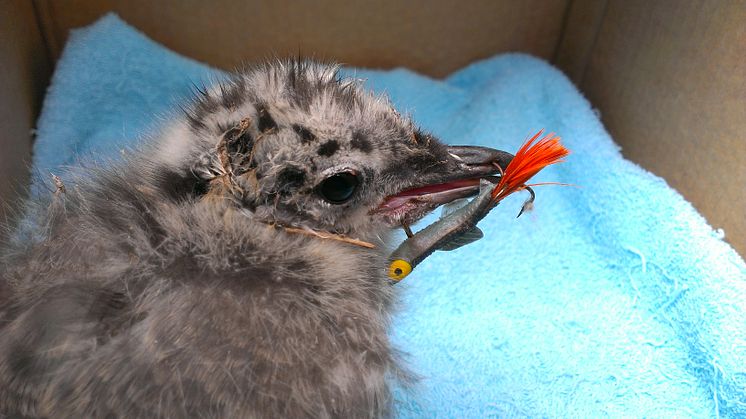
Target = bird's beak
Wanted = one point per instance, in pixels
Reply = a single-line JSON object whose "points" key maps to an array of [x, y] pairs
{"points": [[479, 160], [455, 179]]}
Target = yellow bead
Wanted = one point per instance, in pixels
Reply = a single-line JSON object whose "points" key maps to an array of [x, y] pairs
{"points": [[399, 269]]}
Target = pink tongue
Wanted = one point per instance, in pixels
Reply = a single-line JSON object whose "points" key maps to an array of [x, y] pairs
{"points": [[438, 188], [401, 198]]}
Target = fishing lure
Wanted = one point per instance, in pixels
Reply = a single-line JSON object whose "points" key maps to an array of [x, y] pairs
{"points": [[459, 227]]}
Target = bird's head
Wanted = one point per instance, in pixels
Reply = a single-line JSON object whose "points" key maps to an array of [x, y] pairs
{"points": [[297, 145]]}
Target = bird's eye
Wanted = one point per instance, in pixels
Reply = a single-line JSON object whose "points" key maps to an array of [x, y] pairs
{"points": [[339, 188]]}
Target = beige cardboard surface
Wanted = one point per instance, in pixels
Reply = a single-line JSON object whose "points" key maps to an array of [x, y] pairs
{"points": [[434, 37], [670, 80], [24, 73]]}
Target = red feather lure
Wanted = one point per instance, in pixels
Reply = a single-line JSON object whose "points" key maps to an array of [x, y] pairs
{"points": [[528, 161]]}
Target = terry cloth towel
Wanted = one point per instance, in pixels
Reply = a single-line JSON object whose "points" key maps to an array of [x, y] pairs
{"points": [[611, 299]]}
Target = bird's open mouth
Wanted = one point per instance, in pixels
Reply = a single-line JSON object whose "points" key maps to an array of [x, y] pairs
{"points": [[408, 206]]}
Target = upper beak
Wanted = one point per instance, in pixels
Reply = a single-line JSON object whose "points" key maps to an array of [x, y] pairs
{"points": [[459, 178], [476, 161]]}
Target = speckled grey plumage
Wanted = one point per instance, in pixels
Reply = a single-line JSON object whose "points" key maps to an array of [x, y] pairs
{"points": [[163, 286]]}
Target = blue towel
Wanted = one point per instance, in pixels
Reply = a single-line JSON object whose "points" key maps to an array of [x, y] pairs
{"points": [[614, 298]]}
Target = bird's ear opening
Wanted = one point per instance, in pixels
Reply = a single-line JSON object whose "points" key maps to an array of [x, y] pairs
{"points": [[228, 168], [236, 147]]}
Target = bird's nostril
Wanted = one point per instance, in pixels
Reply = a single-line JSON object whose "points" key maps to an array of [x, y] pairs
{"points": [[477, 156]]}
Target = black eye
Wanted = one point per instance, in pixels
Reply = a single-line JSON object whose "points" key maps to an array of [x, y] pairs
{"points": [[339, 188]]}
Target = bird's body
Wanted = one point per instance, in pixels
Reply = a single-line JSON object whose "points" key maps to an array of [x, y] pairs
{"points": [[169, 284], [175, 327]]}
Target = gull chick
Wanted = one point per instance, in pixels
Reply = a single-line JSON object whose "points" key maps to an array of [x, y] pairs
{"points": [[234, 265]]}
